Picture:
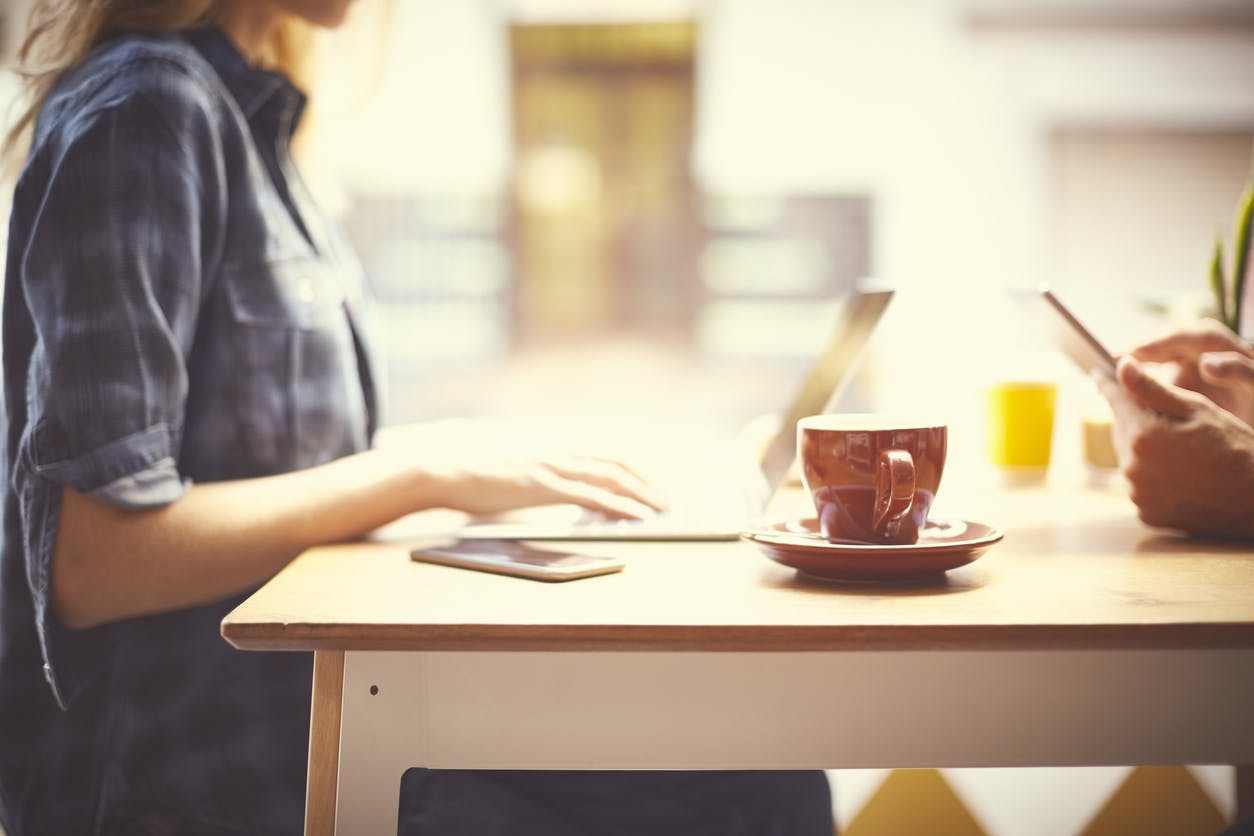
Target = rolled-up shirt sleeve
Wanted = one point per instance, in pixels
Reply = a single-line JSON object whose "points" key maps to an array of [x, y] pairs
{"points": [[113, 269]]}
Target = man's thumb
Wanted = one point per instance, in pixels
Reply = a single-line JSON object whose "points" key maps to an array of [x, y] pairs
{"points": [[1152, 393]]}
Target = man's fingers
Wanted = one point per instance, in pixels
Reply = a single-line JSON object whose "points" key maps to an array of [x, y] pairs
{"points": [[1152, 393], [1226, 368], [1184, 346]]}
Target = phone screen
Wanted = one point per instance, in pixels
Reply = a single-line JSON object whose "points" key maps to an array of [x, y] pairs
{"points": [[521, 559]]}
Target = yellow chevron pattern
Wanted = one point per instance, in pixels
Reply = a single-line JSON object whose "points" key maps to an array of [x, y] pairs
{"points": [[1123, 801]]}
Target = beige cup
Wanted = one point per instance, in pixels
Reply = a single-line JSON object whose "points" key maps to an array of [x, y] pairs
{"points": [[1099, 443]]}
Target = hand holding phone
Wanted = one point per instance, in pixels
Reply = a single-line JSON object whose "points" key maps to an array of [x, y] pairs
{"points": [[520, 559]]}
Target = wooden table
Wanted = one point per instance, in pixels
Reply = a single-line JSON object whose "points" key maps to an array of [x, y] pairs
{"points": [[1083, 638]]}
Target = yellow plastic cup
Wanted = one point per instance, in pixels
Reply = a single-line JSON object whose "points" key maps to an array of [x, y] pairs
{"points": [[1021, 425]]}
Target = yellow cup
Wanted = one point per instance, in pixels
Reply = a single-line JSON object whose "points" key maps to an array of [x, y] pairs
{"points": [[1021, 425]]}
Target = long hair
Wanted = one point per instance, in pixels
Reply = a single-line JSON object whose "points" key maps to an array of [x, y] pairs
{"points": [[60, 33]]}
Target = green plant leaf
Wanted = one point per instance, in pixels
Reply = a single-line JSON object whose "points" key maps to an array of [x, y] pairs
{"points": [[1245, 219], [1218, 286]]}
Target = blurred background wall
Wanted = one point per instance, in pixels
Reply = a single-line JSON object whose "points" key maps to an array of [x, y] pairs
{"points": [[702, 179], [696, 182]]}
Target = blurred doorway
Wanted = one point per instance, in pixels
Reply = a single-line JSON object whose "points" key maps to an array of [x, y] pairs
{"points": [[605, 233]]}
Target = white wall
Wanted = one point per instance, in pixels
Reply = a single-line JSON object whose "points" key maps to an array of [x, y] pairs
{"points": [[948, 120], [418, 99]]}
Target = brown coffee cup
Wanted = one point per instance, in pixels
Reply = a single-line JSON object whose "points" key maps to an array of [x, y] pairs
{"points": [[872, 477]]}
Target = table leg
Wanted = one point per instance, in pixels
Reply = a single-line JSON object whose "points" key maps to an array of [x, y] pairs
{"points": [[1245, 791], [322, 786]]}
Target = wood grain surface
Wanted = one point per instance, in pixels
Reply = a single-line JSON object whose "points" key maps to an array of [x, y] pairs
{"points": [[1076, 570]]}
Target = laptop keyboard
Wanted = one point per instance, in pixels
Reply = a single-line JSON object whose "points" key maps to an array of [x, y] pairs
{"points": [[717, 508]]}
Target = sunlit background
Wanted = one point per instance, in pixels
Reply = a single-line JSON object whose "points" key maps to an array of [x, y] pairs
{"points": [[652, 208], [648, 211]]}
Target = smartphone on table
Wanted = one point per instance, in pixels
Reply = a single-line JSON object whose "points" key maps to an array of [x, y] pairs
{"points": [[520, 559]]}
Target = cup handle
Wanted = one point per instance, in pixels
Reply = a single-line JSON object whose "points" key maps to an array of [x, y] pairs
{"points": [[894, 489]]}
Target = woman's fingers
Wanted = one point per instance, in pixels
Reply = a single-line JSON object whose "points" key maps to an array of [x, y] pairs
{"points": [[609, 476], [610, 501]]}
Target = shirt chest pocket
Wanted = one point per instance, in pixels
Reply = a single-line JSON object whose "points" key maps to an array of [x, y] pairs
{"points": [[292, 384], [300, 293]]}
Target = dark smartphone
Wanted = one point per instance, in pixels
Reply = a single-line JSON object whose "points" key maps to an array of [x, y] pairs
{"points": [[519, 558]]}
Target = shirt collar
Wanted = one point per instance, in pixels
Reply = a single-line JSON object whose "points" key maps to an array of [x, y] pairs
{"points": [[253, 89]]}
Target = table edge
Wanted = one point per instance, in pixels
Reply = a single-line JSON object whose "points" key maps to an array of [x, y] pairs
{"points": [[735, 638]]}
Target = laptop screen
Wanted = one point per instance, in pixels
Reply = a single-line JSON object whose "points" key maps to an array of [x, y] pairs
{"points": [[830, 373]]}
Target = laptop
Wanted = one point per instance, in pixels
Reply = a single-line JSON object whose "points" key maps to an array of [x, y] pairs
{"points": [[717, 498]]}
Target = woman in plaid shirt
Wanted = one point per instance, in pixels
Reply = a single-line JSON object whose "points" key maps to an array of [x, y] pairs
{"points": [[191, 401]]}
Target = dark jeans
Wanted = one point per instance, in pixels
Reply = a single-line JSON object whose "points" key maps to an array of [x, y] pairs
{"points": [[1244, 827], [496, 803]]}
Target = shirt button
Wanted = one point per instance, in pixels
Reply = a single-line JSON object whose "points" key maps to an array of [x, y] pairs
{"points": [[305, 290], [48, 673]]}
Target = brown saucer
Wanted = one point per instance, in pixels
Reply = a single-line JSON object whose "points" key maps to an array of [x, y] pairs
{"points": [[943, 545]]}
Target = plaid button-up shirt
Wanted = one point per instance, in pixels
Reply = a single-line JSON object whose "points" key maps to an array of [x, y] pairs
{"points": [[176, 310]]}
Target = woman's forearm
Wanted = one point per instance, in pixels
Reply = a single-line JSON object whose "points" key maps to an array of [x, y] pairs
{"points": [[223, 538], [220, 538]]}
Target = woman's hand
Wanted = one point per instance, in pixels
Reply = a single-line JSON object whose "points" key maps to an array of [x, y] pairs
{"points": [[223, 538], [1190, 463], [483, 468], [490, 484]]}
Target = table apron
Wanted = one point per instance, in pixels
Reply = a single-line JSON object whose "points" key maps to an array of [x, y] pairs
{"points": [[776, 710]]}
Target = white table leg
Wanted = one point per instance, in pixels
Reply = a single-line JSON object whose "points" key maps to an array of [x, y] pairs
{"points": [[688, 710]]}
